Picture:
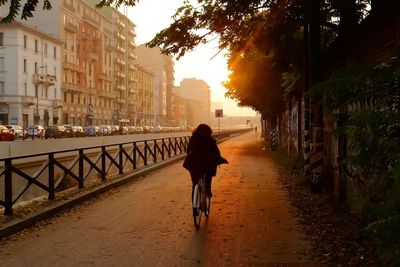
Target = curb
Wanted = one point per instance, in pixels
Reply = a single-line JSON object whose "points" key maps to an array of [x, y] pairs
{"points": [[30, 220]]}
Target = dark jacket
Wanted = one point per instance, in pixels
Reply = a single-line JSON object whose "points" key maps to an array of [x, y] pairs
{"points": [[203, 155]]}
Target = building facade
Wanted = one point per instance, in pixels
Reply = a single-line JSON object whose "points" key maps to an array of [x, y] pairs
{"points": [[30, 76], [144, 89], [97, 59], [179, 110], [197, 93], [163, 68]]}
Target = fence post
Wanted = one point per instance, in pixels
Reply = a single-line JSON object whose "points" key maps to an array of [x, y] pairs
{"points": [[169, 147], [162, 149], [145, 153], [121, 171], [103, 163], [134, 155], [8, 211], [51, 177], [155, 151], [80, 166]]}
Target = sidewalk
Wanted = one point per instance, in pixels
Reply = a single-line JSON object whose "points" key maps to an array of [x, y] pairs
{"points": [[148, 222]]}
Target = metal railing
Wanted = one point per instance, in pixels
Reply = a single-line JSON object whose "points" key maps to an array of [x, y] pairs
{"points": [[39, 170]]}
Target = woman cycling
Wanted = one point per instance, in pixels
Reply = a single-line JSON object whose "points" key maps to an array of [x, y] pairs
{"points": [[203, 156]]}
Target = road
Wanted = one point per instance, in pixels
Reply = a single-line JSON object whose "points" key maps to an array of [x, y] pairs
{"points": [[149, 222]]}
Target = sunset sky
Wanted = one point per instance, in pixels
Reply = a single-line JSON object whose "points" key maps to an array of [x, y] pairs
{"points": [[151, 16]]}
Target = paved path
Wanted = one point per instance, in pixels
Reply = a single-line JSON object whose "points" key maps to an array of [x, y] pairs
{"points": [[149, 222]]}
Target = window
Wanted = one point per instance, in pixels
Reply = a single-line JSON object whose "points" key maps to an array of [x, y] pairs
{"points": [[25, 89], [36, 90], [45, 49], [1, 38], [1, 63], [1, 87], [25, 41], [55, 52], [36, 68], [72, 98], [24, 65], [36, 46], [65, 97], [46, 92]]}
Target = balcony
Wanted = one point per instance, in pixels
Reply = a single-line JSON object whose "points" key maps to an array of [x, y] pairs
{"points": [[72, 87], [93, 55], [50, 80], [132, 78], [132, 67], [105, 77], [73, 67], [29, 100], [132, 32], [120, 23], [108, 31], [120, 61], [132, 56], [38, 78], [71, 27], [91, 91], [96, 40], [119, 74], [120, 87], [109, 47], [57, 104], [86, 36], [120, 100], [107, 94], [69, 7], [120, 36], [87, 17], [121, 49]]}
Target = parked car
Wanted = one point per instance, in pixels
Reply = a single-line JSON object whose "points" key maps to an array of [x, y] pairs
{"points": [[6, 134], [115, 130], [92, 130], [17, 130], [37, 131], [68, 130], [105, 130], [125, 130], [147, 128], [54, 131], [78, 131]]}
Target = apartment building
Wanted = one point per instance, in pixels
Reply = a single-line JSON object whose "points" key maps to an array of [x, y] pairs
{"points": [[97, 58], [179, 110], [197, 92], [30, 76], [124, 68], [144, 88], [163, 68]]}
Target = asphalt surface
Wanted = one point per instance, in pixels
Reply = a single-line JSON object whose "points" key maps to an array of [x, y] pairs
{"points": [[149, 222]]}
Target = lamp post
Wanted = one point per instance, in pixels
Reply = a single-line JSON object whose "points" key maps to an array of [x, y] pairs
{"points": [[37, 116]]}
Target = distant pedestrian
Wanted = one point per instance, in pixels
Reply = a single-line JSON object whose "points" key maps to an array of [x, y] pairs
{"points": [[203, 156]]}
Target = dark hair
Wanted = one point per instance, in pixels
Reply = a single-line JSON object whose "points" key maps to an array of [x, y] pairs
{"points": [[202, 129]]}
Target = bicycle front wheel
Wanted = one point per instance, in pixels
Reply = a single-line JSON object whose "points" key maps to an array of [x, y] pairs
{"points": [[196, 205]]}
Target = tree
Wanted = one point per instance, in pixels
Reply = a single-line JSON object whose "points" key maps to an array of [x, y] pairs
{"points": [[31, 5]]}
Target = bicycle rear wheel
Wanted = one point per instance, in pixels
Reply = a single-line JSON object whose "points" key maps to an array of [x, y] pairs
{"points": [[196, 205], [208, 206]]}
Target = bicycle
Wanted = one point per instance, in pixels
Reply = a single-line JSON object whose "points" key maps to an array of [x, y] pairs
{"points": [[201, 202]]}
